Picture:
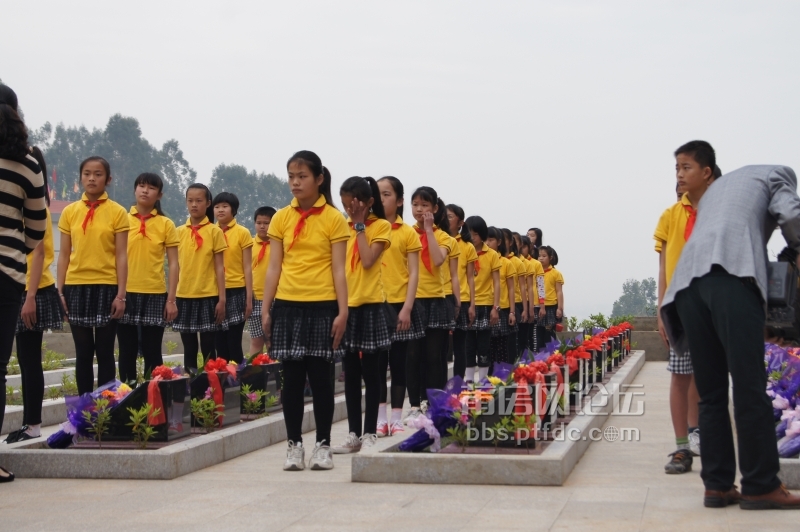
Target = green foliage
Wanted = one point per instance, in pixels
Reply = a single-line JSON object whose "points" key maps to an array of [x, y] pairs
{"points": [[504, 426], [140, 378], [519, 423], [253, 190], [171, 346], [615, 354], [12, 397], [572, 323], [68, 384], [206, 413], [457, 434], [585, 324], [53, 392], [52, 360], [140, 424], [599, 320], [170, 363], [638, 298], [99, 419], [251, 399], [617, 320], [13, 365]]}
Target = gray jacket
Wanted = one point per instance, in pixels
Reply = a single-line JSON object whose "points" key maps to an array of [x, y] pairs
{"points": [[735, 219]]}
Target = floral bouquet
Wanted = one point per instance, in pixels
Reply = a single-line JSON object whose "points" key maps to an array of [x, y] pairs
{"points": [[444, 410]]}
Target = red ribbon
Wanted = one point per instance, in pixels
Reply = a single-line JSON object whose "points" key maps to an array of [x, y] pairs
{"points": [[356, 258], [90, 214], [426, 252], [216, 392], [302, 221], [396, 225], [225, 233], [154, 398], [196, 235], [143, 227], [262, 251], [690, 222], [478, 262]]}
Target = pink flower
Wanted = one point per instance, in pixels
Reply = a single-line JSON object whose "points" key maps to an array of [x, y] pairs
{"points": [[253, 397], [209, 391]]}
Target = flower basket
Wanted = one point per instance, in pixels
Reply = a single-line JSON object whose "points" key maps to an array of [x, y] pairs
{"points": [[578, 384], [230, 396], [257, 377], [174, 406], [500, 413], [609, 355], [550, 413]]}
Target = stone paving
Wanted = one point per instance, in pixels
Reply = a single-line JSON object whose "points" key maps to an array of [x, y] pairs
{"points": [[616, 486]]}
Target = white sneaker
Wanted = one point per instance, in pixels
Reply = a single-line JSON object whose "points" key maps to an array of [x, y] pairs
{"points": [[413, 414], [694, 442], [352, 444], [295, 457], [368, 440], [423, 406], [321, 458], [383, 429], [395, 427]]}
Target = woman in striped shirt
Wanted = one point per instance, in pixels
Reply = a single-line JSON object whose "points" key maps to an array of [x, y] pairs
{"points": [[22, 224]]}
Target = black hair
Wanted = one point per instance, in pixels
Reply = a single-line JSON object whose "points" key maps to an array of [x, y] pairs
{"points": [[478, 225], [397, 186], [512, 247], [550, 253], [428, 194], [154, 180], [264, 211], [497, 234], [459, 212], [538, 236], [701, 151], [525, 243], [314, 163], [229, 198], [717, 172], [210, 208], [37, 154], [517, 238], [13, 133], [362, 189], [96, 159]]}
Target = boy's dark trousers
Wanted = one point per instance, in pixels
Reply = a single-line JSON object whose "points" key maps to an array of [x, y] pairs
{"points": [[723, 318]]}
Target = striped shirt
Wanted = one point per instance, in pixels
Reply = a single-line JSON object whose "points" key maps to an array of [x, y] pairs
{"points": [[23, 214]]}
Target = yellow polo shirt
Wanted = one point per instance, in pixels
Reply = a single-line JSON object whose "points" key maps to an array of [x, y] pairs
{"points": [[507, 270], [489, 261], [237, 238], [93, 259], [522, 272], [198, 276], [468, 255], [430, 282], [552, 277], [394, 262], [538, 277], [49, 255], [306, 272], [455, 253], [260, 266], [146, 252], [670, 229], [364, 286]]}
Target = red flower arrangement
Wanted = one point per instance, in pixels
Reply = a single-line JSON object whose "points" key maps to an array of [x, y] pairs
{"points": [[555, 358], [164, 372], [262, 359], [216, 364]]}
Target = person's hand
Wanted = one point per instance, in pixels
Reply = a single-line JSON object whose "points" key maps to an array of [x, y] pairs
{"points": [[219, 312], [63, 304], [170, 311], [358, 211], [494, 317], [28, 313], [558, 313], [117, 308], [248, 309], [524, 317], [338, 329], [662, 331], [542, 312], [456, 311], [427, 221], [266, 325], [404, 320], [512, 319], [471, 314]]}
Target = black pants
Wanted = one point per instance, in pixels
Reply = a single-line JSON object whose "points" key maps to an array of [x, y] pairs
{"points": [[10, 305], [190, 347], [318, 371], [723, 318], [229, 343], [356, 368], [397, 356], [29, 355], [479, 344], [544, 335], [523, 336], [91, 341], [512, 350], [424, 367], [459, 352], [128, 336]]}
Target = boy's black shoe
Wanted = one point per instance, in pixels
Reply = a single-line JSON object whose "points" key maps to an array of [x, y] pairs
{"points": [[681, 462], [721, 499]]}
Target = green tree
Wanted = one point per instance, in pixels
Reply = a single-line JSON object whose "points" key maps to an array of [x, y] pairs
{"points": [[638, 299], [253, 189]]}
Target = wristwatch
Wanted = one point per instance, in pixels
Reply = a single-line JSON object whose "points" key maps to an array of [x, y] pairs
{"points": [[359, 227], [497, 309]]}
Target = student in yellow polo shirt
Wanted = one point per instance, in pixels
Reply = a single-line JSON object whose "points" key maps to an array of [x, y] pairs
{"points": [[508, 280], [151, 303], [93, 273], [553, 294], [238, 257], [370, 321], [466, 282], [201, 287], [520, 296], [400, 277], [263, 217], [487, 301], [308, 319]]}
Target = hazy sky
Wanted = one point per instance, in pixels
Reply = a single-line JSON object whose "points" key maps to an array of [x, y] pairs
{"points": [[560, 115]]}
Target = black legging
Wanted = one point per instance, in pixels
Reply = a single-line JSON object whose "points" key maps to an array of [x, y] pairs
{"points": [[190, 347], [356, 367], [397, 355], [522, 338], [294, 381], [460, 352], [424, 368], [479, 348], [10, 305], [229, 343], [29, 355], [128, 336], [88, 343], [512, 351]]}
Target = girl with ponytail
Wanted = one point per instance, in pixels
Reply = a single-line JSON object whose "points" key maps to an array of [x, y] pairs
{"points": [[370, 320]]}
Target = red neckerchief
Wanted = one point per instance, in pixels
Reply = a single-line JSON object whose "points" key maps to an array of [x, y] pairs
{"points": [[478, 262], [302, 221], [142, 227], [396, 226], [90, 214], [262, 251], [690, 222], [225, 233], [196, 234], [356, 258], [548, 269], [426, 252]]}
